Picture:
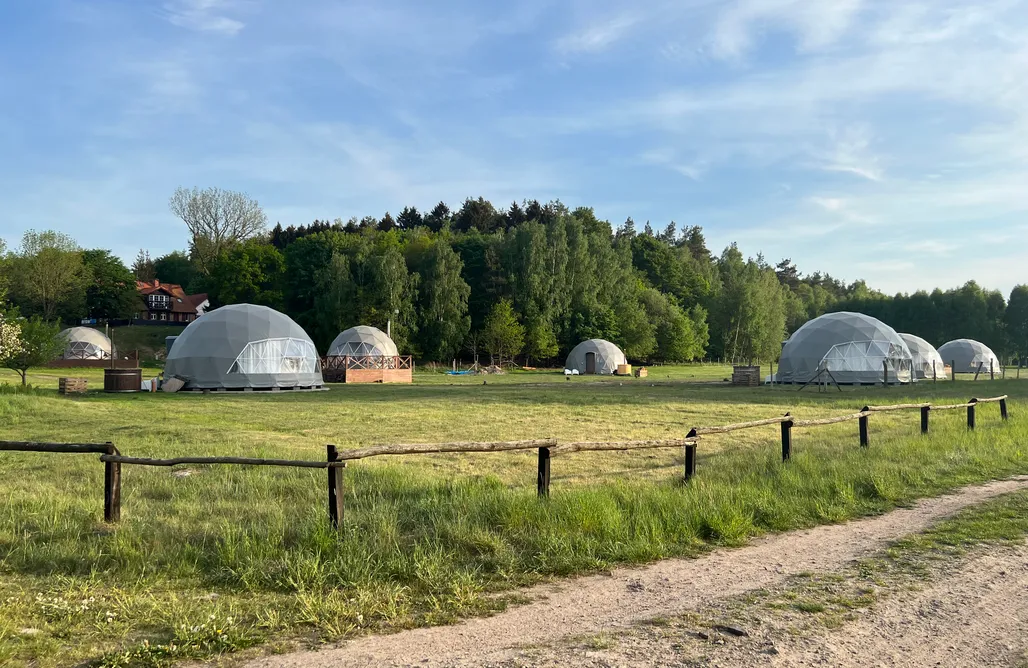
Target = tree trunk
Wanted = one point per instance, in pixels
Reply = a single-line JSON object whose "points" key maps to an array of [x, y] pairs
{"points": [[22, 372]]}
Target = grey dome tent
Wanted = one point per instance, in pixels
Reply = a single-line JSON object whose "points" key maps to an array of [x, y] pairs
{"points": [[849, 348], [242, 347], [595, 356], [86, 343], [927, 363], [363, 341], [969, 356]]}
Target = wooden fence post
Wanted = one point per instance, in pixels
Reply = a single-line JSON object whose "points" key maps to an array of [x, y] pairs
{"points": [[786, 439], [992, 369], [543, 477], [864, 440], [970, 414], [335, 489], [112, 487], [925, 410], [1003, 409], [690, 456]]}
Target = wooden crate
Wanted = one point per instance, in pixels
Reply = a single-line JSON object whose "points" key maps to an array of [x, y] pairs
{"points": [[747, 376], [642, 372], [72, 385]]}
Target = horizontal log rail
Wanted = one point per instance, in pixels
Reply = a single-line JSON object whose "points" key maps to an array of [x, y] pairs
{"points": [[897, 407], [606, 446], [432, 448], [951, 407], [724, 429], [821, 422], [68, 448], [246, 461]]}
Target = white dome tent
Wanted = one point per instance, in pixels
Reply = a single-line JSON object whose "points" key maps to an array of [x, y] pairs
{"points": [[595, 356], [363, 341], [244, 347], [86, 343], [968, 356], [847, 348], [927, 363]]}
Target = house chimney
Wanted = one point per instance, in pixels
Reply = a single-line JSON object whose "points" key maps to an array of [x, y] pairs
{"points": [[157, 282]]}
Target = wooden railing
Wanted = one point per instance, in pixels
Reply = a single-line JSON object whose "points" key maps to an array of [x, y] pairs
{"points": [[336, 461]]}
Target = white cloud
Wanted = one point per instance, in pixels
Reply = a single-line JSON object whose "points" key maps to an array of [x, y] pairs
{"points": [[203, 15], [817, 24], [597, 36]]}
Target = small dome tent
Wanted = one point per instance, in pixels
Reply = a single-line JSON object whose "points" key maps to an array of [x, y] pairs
{"points": [[86, 343], [595, 356], [363, 341], [927, 363], [969, 356], [851, 348], [242, 347]]}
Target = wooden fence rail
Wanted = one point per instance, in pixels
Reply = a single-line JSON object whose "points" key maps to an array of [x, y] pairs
{"points": [[335, 461]]}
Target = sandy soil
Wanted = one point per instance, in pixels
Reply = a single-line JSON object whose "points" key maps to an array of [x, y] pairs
{"points": [[979, 617]]}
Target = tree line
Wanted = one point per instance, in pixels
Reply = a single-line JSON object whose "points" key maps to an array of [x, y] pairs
{"points": [[528, 282]]}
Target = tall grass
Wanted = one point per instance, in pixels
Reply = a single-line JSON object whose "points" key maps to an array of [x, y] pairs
{"points": [[425, 539]]}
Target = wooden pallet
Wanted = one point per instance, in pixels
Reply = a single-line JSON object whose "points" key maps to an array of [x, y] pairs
{"points": [[746, 376], [72, 385]]}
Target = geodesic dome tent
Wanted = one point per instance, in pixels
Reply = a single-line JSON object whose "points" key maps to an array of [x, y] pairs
{"points": [[926, 361], [849, 348], [86, 343], [242, 347], [363, 341], [595, 356], [968, 356]]}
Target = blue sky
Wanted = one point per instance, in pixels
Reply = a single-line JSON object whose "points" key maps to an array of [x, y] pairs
{"points": [[876, 139]]}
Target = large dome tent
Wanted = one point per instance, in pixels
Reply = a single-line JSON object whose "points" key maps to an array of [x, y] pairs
{"points": [[363, 341], [86, 343], [849, 348], [242, 347], [595, 356], [969, 356], [927, 363]]}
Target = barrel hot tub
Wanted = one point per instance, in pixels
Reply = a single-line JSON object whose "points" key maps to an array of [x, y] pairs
{"points": [[123, 380]]}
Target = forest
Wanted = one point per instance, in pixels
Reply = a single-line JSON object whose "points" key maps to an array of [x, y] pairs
{"points": [[527, 282]]}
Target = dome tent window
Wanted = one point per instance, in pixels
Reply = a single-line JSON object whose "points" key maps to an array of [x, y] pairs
{"points": [[277, 356]]}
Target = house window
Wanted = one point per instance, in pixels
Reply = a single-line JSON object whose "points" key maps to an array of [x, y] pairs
{"points": [[159, 301], [164, 316]]}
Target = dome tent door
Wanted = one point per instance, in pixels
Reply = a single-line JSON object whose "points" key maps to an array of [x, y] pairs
{"points": [[590, 362]]}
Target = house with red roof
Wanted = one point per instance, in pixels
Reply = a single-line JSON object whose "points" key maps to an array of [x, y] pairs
{"points": [[169, 302]]}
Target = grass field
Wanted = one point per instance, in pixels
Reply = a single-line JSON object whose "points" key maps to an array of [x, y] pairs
{"points": [[224, 559]]}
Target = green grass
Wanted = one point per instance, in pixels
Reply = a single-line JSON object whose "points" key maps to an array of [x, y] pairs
{"points": [[427, 539]]}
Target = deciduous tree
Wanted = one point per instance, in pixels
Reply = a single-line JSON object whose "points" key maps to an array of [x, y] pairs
{"points": [[217, 220], [39, 344]]}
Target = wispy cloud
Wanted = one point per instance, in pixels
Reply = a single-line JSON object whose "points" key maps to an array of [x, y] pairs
{"points": [[597, 36], [203, 15]]}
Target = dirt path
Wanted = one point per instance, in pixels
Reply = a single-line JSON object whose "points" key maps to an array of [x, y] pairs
{"points": [[586, 606]]}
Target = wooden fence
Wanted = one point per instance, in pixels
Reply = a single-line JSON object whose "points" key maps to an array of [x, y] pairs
{"points": [[335, 461]]}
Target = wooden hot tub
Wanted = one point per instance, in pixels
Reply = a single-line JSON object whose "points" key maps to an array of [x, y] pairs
{"points": [[123, 380]]}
